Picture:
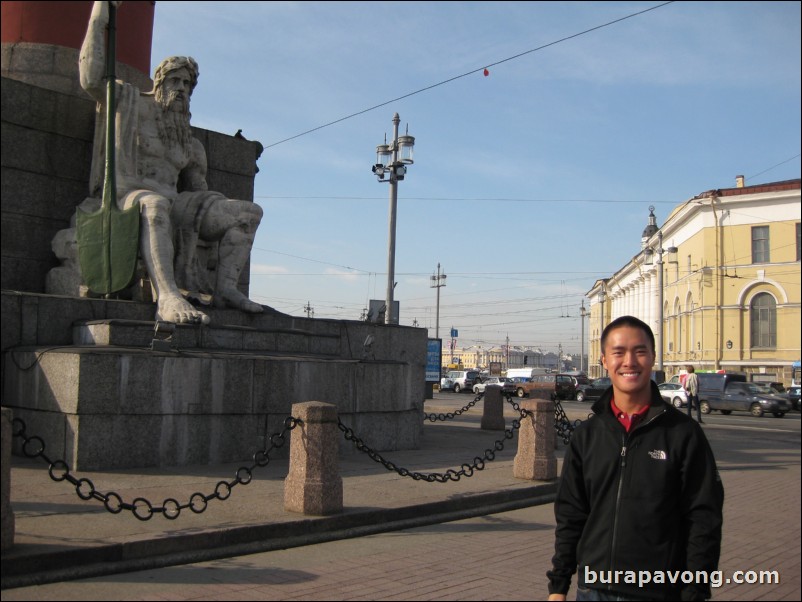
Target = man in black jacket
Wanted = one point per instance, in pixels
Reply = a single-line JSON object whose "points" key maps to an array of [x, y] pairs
{"points": [[639, 506]]}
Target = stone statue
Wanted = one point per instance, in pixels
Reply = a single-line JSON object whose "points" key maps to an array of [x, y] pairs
{"points": [[161, 168]]}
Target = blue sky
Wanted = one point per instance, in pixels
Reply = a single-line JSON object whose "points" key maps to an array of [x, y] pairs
{"points": [[528, 184]]}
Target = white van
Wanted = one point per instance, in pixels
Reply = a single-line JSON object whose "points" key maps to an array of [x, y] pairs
{"points": [[525, 372]]}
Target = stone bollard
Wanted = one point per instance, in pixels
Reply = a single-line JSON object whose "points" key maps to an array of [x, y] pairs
{"points": [[493, 414], [6, 513], [535, 459], [314, 485]]}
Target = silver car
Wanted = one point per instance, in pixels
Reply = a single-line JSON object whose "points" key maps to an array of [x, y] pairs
{"points": [[674, 394]]}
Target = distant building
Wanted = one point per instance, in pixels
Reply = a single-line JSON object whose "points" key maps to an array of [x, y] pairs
{"points": [[730, 284]]}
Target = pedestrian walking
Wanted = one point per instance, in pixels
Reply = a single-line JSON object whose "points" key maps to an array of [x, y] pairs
{"points": [[639, 494], [692, 391]]}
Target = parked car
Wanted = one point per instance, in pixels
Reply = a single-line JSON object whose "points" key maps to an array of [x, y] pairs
{"points": [[459, 380], [755, 398], [793, 396], [674, 394], [505, 384], [778, 387], [594, 390], [549, 386]]}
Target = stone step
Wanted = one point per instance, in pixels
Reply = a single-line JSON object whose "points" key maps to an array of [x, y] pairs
{"points": [[177, 337]]}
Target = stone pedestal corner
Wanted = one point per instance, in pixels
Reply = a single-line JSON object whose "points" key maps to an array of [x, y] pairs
{"points": [[314, 485], [535, 459]]}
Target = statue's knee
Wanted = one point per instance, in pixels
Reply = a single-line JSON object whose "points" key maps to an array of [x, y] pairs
{"points": [[156, 210]]}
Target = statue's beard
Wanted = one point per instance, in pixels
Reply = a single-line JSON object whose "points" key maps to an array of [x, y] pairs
{"points": [[173, 122]]}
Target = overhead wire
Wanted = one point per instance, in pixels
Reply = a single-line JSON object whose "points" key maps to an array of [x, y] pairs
{"points": [[478, 70]]}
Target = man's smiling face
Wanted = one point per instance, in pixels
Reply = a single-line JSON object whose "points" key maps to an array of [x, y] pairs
{"points": [[628, 358]]}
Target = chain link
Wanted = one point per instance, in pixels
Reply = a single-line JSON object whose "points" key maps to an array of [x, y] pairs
{"points": [[562, 423], [465, 470], [565, 428], [141, 508], [449, 415]]}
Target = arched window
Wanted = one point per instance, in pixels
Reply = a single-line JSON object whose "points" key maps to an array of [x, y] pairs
{"points": [[763, 321]]}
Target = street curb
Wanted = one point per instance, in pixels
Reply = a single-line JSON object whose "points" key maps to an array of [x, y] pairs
{"points": [[37, 569]]}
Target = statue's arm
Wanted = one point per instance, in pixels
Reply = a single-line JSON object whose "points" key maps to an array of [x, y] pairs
{"points": [[193, 177], [92, 61]]}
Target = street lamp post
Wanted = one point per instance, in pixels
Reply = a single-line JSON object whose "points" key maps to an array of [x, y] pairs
{"points": [[438, 282], [391, 160]]}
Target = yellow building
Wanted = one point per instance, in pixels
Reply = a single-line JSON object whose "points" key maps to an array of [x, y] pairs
{"points": [[728, 294]]}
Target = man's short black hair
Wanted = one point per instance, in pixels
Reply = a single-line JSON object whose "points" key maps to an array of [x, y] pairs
{"points": [[632, 322]]}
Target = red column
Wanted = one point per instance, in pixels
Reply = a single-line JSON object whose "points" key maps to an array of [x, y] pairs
{"points": [[64, 24]]}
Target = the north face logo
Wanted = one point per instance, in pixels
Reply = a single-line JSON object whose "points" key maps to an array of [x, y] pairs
{"points": [[658, 454]]}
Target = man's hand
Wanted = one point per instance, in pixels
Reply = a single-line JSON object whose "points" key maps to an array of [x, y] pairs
{"points": [[558, 597]]}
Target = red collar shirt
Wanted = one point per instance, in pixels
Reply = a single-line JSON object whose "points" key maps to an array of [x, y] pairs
{"points": [[629, 422]]}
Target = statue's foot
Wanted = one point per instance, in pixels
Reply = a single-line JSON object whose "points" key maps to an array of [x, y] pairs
{"points": [[236, 300], [180, 311]]}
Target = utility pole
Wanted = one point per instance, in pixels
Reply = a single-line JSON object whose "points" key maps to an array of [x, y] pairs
{"points": [[437, 282], [309, 310]]}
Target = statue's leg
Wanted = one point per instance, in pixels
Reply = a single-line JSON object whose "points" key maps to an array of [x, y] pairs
{"points": [[233, 224], [156, 246]]}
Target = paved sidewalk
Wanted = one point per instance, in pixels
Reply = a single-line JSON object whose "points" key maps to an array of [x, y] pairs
{"points": [[60, 536], [486, 557]]}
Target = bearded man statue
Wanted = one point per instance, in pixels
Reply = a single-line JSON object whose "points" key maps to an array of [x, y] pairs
{"points": [[161, 168]]}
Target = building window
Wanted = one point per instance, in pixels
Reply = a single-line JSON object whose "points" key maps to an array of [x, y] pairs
{"points": [[763, 321], [760, 244]]}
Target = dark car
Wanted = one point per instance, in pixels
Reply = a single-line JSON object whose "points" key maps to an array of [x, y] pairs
{"points": [[594, 390], [755, 398], [793, 396]]}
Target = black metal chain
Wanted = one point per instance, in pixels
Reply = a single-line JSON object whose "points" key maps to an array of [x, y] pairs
{"points": [[465, 470], [449, 415], [565, 428], [562, 424], [141, 508]]}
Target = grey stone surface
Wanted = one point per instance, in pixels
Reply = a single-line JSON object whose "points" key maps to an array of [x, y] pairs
{"points": [[55, 68], [6, 511], [82, 395], [493, 413]]}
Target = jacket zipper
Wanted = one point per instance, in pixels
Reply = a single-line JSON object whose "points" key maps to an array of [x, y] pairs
{"points": [[621, 466]]}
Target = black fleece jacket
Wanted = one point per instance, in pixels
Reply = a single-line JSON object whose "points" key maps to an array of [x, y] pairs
{"points": [[648, 500]]}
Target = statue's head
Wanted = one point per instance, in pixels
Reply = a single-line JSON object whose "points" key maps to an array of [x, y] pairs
{"points": [[169, 91], [174, 63]]}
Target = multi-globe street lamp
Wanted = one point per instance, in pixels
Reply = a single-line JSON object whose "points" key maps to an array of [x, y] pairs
{"points": [[392, 160]]}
